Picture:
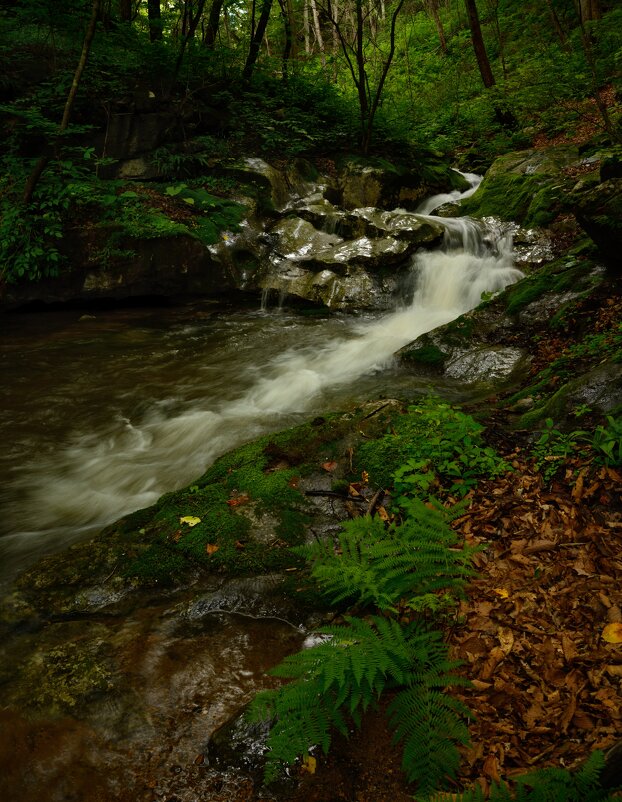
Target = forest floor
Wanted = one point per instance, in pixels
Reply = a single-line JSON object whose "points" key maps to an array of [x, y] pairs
{"points": [[533, 633], [545, 683]]}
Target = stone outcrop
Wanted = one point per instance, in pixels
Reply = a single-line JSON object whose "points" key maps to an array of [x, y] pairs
{"points": [[527, 187]]}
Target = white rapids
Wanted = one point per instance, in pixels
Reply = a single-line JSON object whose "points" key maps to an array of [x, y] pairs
{"points": [[102, 476]]}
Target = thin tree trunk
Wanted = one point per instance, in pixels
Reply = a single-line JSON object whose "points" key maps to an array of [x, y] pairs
{"points": [[505, 118], [256, 40], [40, 166], [211, 31], [193, 23], [481, 56], [433, 8], [561, 34], [305, 25], [383, 77], [154, 15], [318, 32], [125, 10], [287, 43]]}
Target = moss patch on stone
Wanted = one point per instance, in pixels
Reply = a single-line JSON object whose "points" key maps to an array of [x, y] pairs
{"points": [[525, 199]]}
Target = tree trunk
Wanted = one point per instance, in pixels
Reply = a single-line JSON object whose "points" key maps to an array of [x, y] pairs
{"points": [[125, 10], [287, 42], [305, 25], [154, 15], [211, 31], [192, 25], [505, 118], [478, 44], [557, 26], [256, 40], [40, 166], [385, 71], [318, 32], [433, 8], [589, 10]]}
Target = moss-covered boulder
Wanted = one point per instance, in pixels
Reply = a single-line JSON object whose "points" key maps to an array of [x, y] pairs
{"points": [[527, 186], [599, 211], [378, 182]]}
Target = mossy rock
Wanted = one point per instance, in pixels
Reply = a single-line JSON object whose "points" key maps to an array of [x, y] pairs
{"points": [[239, 518], [378, 182], [599, 211], [527, 187], [562, 275]]}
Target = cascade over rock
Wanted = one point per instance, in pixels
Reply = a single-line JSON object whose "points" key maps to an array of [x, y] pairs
{"points": [[296, 240]]}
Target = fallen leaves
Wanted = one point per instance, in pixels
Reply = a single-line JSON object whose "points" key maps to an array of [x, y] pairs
{"points": [[542, 621]]}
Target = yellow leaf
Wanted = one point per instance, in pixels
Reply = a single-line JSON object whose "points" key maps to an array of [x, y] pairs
{"points": [[612, 633], [309, 764], [505, 594], [191, 520]]}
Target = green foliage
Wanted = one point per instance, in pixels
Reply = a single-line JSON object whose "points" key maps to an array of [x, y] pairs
{"points": [[607, 441], [346, 673], [377, 565], [547, 785], [432, 443], [553, 446]]}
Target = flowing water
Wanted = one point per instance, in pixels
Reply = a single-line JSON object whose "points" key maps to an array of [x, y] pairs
{"points": [[103, 414]]}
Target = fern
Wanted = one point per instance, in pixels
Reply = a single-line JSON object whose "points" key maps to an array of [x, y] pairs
{"points": [[349, 671], [547, 785], [379, 565], [429, 721]]}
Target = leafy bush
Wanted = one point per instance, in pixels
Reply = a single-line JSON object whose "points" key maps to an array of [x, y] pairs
{"points": [[431, 444]]}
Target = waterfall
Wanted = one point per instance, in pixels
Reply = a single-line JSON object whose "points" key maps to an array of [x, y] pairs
{"points": [[102, 476], [430, 204]]}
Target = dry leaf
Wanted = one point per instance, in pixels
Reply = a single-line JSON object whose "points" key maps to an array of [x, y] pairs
{"points": [[211, 548], [191, 520], [238, 501], [330, 466], [612, 633]]}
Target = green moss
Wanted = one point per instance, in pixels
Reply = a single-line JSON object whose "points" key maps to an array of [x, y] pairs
{"points": [[231, 500], [507, 195], [559, 276], [429, 354], [65, 675]]}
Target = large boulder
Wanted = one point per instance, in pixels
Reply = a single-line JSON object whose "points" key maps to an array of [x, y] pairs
{"points": [[378, 182], [527, 187], [599, 211]]}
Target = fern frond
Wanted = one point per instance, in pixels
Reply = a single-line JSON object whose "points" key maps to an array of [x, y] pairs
{"points": [[429, 721], [546, 785], [379, 565]]}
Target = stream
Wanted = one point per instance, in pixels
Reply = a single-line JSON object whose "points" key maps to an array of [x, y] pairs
{"points": [[104, 411]]}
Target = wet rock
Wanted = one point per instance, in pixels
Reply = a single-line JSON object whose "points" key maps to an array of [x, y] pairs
{"points": [[297, 239], [600, 389], [378, 182], [240, 745], [599, 212], [492, 365], [527, 187], [257, 597]]}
